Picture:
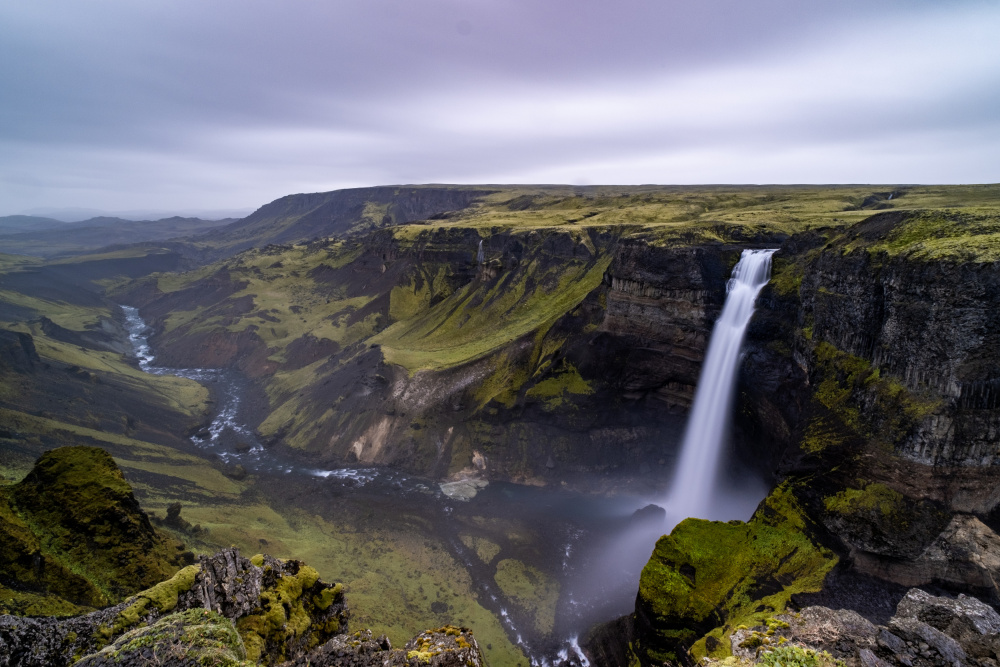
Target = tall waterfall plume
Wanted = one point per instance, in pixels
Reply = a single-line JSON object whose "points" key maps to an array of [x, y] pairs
{"points": [[480, 255], [695, 478]]}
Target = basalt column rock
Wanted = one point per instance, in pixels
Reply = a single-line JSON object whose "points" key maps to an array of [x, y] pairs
{"points": [[661, 304]]}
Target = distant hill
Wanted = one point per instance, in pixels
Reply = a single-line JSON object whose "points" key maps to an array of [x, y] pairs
{"points": [[305, 216], [63, 238], [12, 224]]}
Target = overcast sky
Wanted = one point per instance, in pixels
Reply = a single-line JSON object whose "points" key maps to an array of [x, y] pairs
{"points": [[190, 105]]}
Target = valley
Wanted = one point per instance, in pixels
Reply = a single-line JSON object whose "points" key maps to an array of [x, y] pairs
{"points": [[456, 400]]}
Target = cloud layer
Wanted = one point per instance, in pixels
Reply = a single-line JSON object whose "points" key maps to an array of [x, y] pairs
{"points": [[187, 105]]}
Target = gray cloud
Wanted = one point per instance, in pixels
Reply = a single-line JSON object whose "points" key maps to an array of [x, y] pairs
{"points": [[115, 104]]}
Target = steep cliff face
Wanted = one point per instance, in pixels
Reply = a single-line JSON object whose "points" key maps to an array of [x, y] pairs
{"points": [[931, 326], [660, 306], [867, 384], [561, 352]]}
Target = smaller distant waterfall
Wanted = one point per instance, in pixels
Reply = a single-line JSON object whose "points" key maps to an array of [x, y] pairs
{"points": [[694, 480], [480, 255]]}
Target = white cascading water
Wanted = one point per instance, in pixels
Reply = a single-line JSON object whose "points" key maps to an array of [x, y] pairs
{"points": [[694, 481]]}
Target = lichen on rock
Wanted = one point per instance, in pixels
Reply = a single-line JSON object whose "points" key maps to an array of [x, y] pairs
{"points": [[192, 637], [926, 631]]}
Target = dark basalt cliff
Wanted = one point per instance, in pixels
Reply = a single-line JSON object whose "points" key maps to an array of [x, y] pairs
{"points": [[868, 386]]}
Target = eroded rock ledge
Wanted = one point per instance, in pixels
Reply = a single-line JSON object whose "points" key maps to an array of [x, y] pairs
{"points": [[234, 610]]}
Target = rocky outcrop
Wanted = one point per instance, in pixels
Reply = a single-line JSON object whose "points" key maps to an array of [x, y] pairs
{"points": [[241, 611], [964, 556], [187, 639], [926, 631], [280, 609], [73, 536], [72, 532], [709, 576], [17, 351]]}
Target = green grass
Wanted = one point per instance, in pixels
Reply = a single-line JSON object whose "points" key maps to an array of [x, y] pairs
{"points": [[554, 391], [873, 497], [66, 315], [478, 320], [950, 235], [531, 590], [17, 262], [186, 396], [697, 213], [124, 253]]}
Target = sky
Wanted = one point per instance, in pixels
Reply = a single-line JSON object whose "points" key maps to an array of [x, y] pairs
{"points": [[223, 105]]}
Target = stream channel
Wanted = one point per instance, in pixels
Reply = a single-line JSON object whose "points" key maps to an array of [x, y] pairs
{"points": [[594, 546]]}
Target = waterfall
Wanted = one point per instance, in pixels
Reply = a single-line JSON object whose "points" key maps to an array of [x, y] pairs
{"points": [[694, 481], [480, 255]]}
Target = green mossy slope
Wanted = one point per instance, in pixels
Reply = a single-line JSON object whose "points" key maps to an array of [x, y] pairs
{"points": [[707, 577], [74, 530]]}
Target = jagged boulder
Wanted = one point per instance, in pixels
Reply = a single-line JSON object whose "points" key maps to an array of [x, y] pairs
{"points": [[280, 609], [926, 631]]}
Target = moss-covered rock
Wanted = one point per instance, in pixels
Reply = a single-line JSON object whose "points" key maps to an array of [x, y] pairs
{"points": [[296, 612], [708, 576], [32, 581], [192, 637], [879, 520], [72, 529], [278, 610]]}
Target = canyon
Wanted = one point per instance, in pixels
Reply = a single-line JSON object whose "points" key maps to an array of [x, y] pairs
{"points": [[494, 340]]}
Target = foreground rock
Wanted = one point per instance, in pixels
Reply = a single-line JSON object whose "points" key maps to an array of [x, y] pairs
{"points": [[926, 631], [232, 610], [73, 536], [443, 647]]}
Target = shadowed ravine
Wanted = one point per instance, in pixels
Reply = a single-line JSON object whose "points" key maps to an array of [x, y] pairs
{"points": [[593, 546]]}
